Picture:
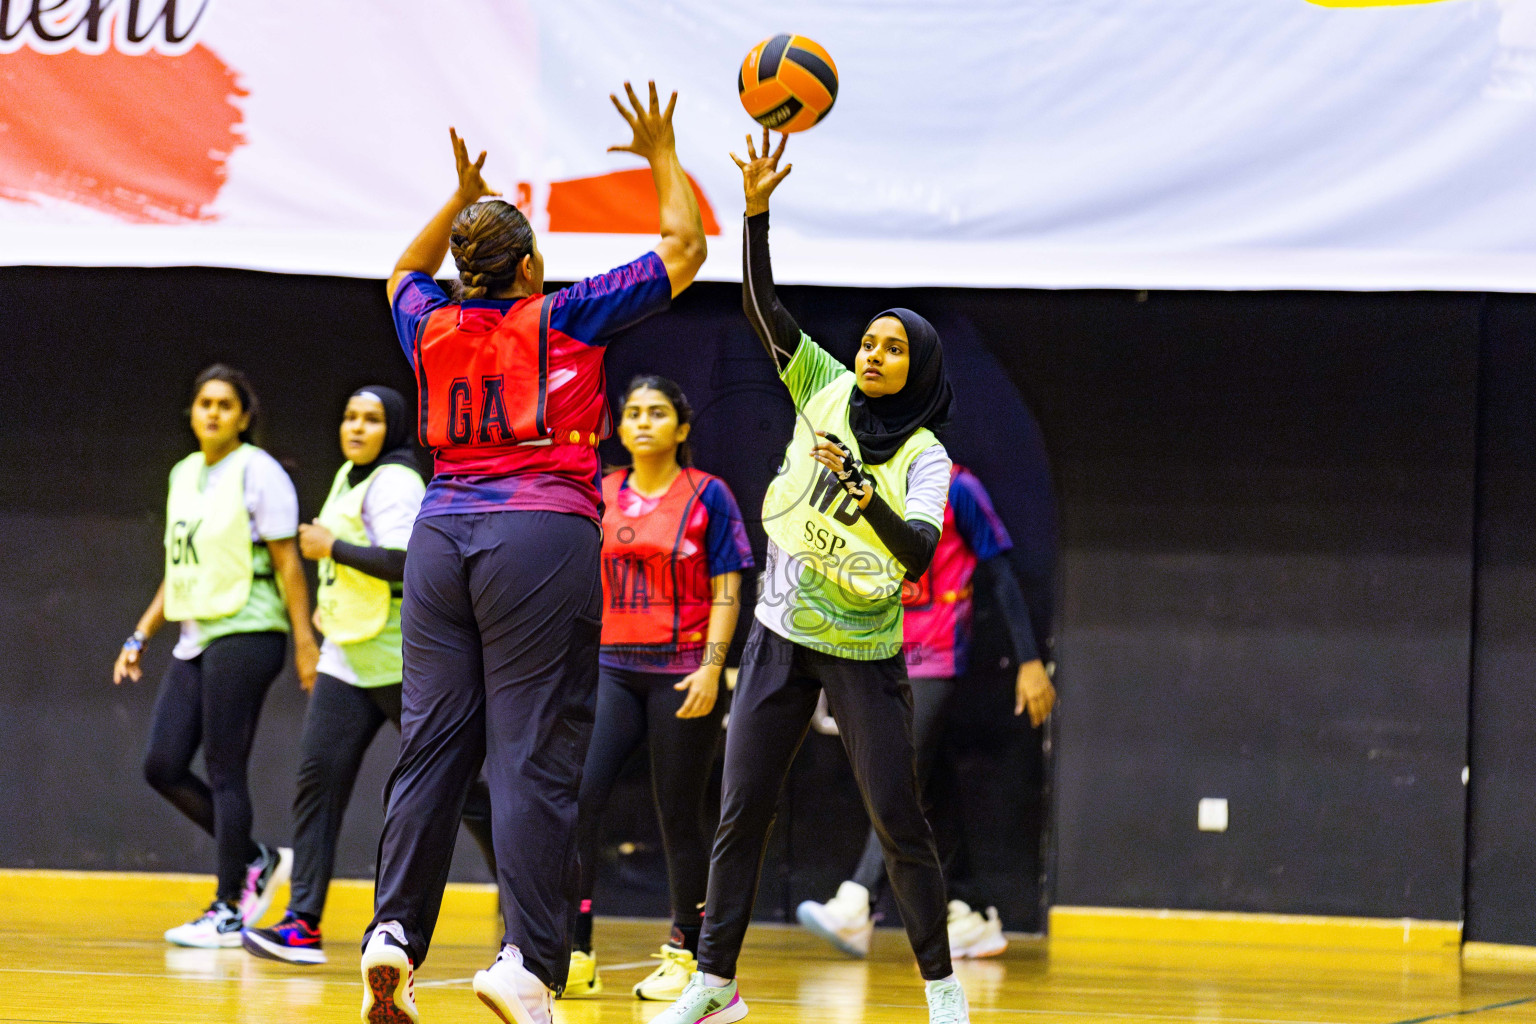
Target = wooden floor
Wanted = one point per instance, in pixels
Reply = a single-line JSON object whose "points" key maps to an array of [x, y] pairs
{"points": [[87, 948]]}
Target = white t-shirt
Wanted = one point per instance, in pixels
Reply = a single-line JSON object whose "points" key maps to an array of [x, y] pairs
{"points": [[273, 506], [927, 493], [389, 512]]}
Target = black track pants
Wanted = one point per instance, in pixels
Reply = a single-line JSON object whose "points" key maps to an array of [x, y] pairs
{"points": [[340, 722], [929, 699], [501, 619], [770, 714]]}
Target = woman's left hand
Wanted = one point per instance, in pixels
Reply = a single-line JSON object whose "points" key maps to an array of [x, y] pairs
{"points": [[315, 541], [1034, 691], [831, 456], [703, 686], [651, 126]]}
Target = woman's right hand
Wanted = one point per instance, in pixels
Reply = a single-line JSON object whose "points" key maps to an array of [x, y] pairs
{"points": [[760, 175], [472, 186], [127, 666]]}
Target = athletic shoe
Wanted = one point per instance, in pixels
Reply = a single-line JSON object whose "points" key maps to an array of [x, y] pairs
{"points": [[512, 992], [971, 935], [704, 1004], [582, 981], [669, 979], [218, 927], [263, 875], [389, 978], [290, 940], [843, 920], [946, 1002]]}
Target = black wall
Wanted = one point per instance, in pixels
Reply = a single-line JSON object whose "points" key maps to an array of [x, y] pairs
{"points": [[1294, 529], [1501, 869]]}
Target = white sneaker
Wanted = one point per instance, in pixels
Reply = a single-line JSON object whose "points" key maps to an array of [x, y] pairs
{"points": [[704, 1004], [263, 876], [971, 935], [946, 1002], [512, 992], [668, 980], [218, 927], [843, 920], [389, 979]]}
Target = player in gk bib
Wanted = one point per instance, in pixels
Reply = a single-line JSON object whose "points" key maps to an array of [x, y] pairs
{"points": [[856, 508], [502, 602], [234, 581]]}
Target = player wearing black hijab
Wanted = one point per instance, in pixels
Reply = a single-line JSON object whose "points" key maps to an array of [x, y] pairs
{"points": [[856, 508], [359, 541]]}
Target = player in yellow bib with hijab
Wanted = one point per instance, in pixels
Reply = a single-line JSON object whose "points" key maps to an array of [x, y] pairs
{"points": [[359, 541], [856, 508], [234, 581]]}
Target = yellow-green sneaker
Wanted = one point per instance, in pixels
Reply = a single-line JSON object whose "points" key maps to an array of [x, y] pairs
{"points": [[583, 980], [670, 977]]}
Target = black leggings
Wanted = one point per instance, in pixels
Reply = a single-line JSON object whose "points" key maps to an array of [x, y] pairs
{"points": [[341, 721], [929, 699], [214, 700], [770, 714], [631, 708]]}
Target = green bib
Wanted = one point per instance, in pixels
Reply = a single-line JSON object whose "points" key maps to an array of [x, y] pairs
{"points": [[850, 591], [356, 610], [353, 606], [208, 550]]}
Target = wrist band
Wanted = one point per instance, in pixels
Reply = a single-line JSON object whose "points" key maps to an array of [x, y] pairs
{"points": [[135, 641]]}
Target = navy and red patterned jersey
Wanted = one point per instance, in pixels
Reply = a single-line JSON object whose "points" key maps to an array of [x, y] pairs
{"points": [[937, 623], [555, 477], [659, 555]]}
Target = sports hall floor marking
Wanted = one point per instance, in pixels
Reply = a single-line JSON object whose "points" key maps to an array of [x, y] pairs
{"points": [[1468, 1012]]}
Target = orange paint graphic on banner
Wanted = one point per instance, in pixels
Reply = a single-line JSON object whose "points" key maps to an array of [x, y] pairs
{"points": [[621, 203], [142, 137]]}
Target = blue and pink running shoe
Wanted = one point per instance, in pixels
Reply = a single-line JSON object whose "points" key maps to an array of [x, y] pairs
{"points": [[291, 940]]}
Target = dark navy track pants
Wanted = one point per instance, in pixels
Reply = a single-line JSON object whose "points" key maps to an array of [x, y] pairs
{"points": [[501, 620], [339, 725], [771, 712]]}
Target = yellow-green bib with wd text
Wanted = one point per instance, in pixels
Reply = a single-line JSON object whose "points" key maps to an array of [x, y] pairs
{"points": [[850, 589]]}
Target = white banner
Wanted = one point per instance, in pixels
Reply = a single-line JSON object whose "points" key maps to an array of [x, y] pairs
{"points": [[1094, 143]]}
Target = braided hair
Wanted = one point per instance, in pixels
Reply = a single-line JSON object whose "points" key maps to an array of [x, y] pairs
{"points": [[488, 241]]}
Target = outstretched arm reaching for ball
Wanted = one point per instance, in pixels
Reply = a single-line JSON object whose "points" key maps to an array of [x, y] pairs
{"points": [[774, 327], [427, 250], [682, 247]]}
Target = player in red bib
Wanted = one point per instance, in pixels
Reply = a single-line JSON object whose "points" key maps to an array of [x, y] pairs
{"points": [[502, 602], [673, 550]]}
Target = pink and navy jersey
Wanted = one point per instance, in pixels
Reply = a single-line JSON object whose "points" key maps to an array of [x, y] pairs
{"points": [[937, 623], [711, 542], [555, 477]]}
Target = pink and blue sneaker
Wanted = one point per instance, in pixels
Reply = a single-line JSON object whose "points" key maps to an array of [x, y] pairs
{"points": [[291, 940]]}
